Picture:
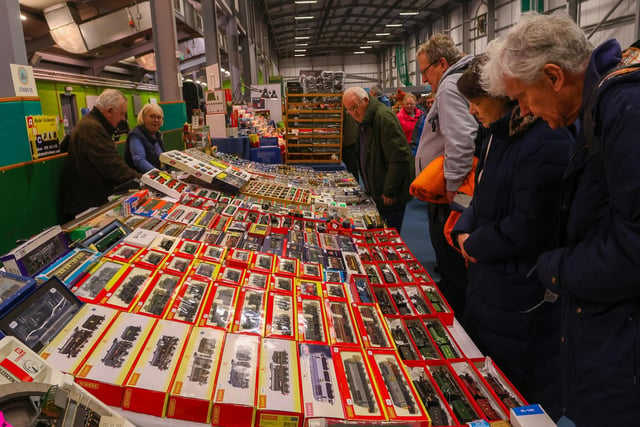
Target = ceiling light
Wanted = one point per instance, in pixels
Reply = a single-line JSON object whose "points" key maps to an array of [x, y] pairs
{"points": [[393, 25], [299, 54], [409, 13], [303, 17], [306, 1], [300, 50], [383, 34], [359, 52], [24, 18], [366, 47], [373, 41], [302, 44], [302, 37]]}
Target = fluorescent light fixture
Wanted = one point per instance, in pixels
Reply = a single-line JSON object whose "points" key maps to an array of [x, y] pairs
{"points": [[302, 44], [393, 25], [306, 1], [300, 50], [409, 13], [366, 47], [24, 18], [373, 41], [383, 34], [299, 54], [302, 37], [358, 52], [303, 17], [222, 69]]}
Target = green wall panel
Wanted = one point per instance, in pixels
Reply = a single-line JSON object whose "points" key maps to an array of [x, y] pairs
{"points": [[175, 115], [14, 147]]}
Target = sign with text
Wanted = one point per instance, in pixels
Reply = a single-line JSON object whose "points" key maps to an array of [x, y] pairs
{"points": [[24, 84], [43, 135]]}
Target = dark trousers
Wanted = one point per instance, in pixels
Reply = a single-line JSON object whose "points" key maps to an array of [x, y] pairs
{"points": [[451, 265], [393, 215], [350, 157]]}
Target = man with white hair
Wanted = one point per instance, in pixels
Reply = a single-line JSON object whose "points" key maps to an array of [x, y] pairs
{"points": [[547, 63], [94, 166], [386, 162]]}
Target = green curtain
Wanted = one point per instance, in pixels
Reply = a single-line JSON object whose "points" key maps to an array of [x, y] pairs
{"points": [[401, 65]]}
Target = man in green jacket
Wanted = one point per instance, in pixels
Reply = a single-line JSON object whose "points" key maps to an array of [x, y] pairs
{"points": [[386, 163]]}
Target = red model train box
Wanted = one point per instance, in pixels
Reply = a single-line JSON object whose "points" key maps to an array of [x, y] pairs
{"points": [[106, 370], [320, 391], [280, 316], [191, 396], [234, 398], [279, 401], [342, 327]]}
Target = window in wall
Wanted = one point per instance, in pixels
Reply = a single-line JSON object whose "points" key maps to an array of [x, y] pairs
{"points": [[178, 6]]}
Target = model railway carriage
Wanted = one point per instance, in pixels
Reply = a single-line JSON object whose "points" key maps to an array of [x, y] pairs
{"points": [[397, 387], [357, 380], [321, 379]]}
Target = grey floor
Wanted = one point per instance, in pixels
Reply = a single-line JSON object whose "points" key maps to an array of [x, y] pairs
{"points": [[415, 233]]}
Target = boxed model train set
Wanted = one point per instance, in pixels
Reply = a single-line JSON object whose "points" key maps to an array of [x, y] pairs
{"points": [[234, 293]]}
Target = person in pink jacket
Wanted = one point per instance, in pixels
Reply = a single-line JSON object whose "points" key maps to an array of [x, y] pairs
{"points": [[409, 115]]}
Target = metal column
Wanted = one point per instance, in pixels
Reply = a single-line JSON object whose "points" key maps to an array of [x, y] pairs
{"points": [[211, 48], [14, 51], [165, 44]]}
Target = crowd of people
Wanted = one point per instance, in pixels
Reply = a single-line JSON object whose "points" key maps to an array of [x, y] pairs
{"points": [[541, 266]]}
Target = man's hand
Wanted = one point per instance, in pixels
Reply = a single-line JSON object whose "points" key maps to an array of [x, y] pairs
{"points": [[388, 201], [461, 239]]}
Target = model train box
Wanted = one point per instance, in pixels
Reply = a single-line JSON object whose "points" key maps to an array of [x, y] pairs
{"points": [[13, 288], [74, 342], [360, 400], [279, 399], [140, 237], [40, 314], [372, 329], [234, 398], [280, 316], [401, 338], [492, 375], [257, 280], [189, 300], [159, 294], [107, 237], [419, 300], [164, 183], [431, 396], [148, 385], [250, 312], [360, 290], [342, 329], [220, 307], [31, 257], [442, 338], [420, 338], [400, 399], [204, 269], [311, 321], [99, 280], [483, 395], [191, 394], [320, 392], [70, 267], [440, 305], [107, 368], [131, 285], [463, 406], [124, 252], [307, 287]]}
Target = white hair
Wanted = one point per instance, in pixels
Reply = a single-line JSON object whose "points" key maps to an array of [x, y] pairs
{"points": [[357, 91], [534, 41], [110, 98]]}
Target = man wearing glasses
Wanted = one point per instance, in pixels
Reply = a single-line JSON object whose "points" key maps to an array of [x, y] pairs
{"points": [[449, 130], [94, 166], [386, 162]]}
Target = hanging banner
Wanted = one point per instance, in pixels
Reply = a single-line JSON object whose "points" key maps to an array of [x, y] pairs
{"points": [[43, 136]]}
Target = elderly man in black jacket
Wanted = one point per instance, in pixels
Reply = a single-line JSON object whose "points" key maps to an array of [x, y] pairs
{"points": [[386, 163], [94, 166]]}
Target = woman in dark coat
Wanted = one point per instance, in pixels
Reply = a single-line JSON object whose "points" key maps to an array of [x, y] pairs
{"points": [[144, 142], [511, 220]]}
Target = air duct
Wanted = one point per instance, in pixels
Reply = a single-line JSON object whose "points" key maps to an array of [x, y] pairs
{"points": [[64, 30]]}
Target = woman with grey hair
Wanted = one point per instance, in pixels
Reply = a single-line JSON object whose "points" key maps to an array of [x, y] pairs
{"points": [[144, 142], [547, 63]]}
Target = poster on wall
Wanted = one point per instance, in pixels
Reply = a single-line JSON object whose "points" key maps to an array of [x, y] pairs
{"points": [[43, 136]]}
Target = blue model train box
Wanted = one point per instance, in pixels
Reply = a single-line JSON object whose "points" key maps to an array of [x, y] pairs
{"points": [[13, 288], [71, 267]]}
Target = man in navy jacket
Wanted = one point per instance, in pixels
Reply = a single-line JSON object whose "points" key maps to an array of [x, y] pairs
{"points": [[547, 63]]}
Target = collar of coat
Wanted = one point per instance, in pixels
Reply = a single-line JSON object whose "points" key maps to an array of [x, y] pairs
{"points": [[95, 113]]}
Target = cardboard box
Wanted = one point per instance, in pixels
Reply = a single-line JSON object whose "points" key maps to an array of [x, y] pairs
{"points": [[311, 321], [402, 340], [279, 401], [31, 257], [148, 385], [71, 267], [530, 416], [372, 329], [189, 300], [280, 322], [159, 294], [421, 340], [500, 385], [440, 305], [257, 280], [439, 411], [74, 342], [442, 338], [250, 312], [107, 368], [360, 290], [320, 391], [131, 285], [234, 398], [219, 309], [479, 391], [13, 289], [191, 396], [463, 406], [342, 329], [99, 280], [360, 400]]}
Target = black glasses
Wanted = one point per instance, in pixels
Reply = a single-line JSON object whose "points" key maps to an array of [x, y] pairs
{"points": [[424, 72], [354, 108]]}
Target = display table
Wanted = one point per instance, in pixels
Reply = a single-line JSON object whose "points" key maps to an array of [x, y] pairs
{"points": [[239, 146]]}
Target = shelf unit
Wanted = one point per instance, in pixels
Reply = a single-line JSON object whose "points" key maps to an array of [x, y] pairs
{"points": [[314, 127]]}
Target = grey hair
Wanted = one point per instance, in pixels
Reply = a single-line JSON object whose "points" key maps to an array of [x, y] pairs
{"points": [[356, 90], [149, 108], [376, 90], [534, 41], [440, 46], [110, 98]]}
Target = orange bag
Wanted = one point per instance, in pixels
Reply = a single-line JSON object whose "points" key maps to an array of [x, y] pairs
{"points": [[430, 185]]}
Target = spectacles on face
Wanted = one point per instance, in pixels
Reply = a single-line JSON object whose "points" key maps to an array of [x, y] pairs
{"points": [[155, 117], [426, 70], [354, 108]]}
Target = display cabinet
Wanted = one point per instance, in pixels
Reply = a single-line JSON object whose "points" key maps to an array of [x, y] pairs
{"points": [[314, 127]]}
